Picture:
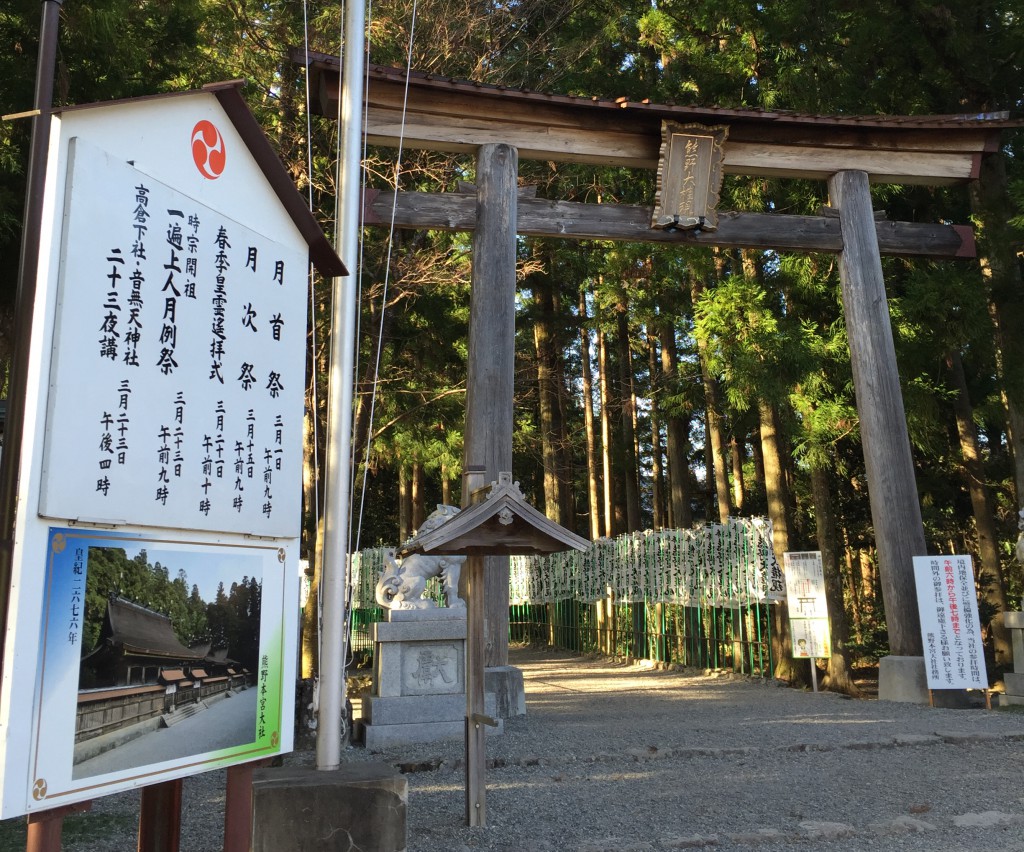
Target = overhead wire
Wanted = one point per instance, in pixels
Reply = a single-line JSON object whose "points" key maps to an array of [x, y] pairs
{"points": [[387, 269]]}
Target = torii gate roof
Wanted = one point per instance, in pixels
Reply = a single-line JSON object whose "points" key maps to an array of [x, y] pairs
{"points": [[448, 114]]}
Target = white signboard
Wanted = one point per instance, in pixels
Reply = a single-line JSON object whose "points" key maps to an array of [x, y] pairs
{"points": [[179, 361], [155, 564], [808, 610], [950, 628]]}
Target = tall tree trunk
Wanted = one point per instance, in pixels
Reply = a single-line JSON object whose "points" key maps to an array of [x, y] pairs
{"points": [[997, 246], [547, 393], [380, 331], [630, 466], [310, 637], [713, 402], [739, 491], [678, 440], [404, 503], [758, 458], [563, 446], [593, 496], [310, 492], [657, 476], [840, 675], [990, 571], [418, 496], [604, 376], [852, 578], [446, 486], [778, 512]]}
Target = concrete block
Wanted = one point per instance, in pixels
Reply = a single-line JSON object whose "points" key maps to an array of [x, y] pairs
{"points": [[506, 682], [300, 809], [410, 709], [420, 631], [1014, 683], [441, 613], [1013, 620], [1010, 700], [955, 699], [902, 679], [387, 669], [380, 737]]}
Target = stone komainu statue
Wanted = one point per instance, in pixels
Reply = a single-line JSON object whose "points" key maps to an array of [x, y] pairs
{"points": [[403, 584]]}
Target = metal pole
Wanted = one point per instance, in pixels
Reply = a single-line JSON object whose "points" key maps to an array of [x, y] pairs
{"points": [[337, 502], [24, 306]]}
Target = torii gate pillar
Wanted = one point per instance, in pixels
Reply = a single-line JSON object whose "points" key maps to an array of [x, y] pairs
{"points": [[490, 385], [892, 488]]}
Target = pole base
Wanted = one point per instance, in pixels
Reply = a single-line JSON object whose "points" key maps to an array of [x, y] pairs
{"points": [[506, 682], [300, 809]]}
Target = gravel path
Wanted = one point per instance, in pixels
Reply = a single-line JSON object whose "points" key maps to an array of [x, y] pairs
{"points": [[617, 758]]}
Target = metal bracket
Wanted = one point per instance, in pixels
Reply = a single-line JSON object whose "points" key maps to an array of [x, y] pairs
{"points": [[481, 719]]}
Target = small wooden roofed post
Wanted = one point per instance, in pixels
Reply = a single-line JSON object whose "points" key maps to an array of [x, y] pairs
{"points": [[498, 522]]}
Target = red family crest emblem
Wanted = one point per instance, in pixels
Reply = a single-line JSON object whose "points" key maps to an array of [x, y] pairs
{"points": [[208, 150]]}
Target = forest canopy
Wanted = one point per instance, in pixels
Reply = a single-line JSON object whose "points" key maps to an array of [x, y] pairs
{"points": [[655, 386]]}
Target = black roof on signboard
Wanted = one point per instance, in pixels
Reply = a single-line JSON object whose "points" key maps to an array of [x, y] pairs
{"points": [[229, 95]]}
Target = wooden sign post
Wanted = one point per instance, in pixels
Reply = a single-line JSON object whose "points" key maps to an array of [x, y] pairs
{"points": [[499, 522]]}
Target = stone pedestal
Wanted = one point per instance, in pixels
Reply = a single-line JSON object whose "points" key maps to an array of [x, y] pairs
{"points": [[1014, 681], [419, 679], [359, 806], [902, 679]]}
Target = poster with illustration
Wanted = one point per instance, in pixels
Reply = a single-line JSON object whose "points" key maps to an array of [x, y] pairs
{"points": [[156, 654], [808, 610]]}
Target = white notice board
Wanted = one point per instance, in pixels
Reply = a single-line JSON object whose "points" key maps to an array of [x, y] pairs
{"points": [[808, 610], [176, 387], [950, 629], [156, 542]]}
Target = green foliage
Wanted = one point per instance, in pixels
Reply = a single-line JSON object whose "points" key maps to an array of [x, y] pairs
{"points": [[112, 574], [771, 324]]}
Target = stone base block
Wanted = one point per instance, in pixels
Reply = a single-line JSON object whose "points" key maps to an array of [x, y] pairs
{"points": [[1013, 620], [380, 737], [506, 682], [957, 699], [359, 806], [902, 679], [1014, 682], [413, 709], [1010, 700]]}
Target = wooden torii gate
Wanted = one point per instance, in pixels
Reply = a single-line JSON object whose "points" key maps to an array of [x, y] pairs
{"points": [[498, 125]]}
